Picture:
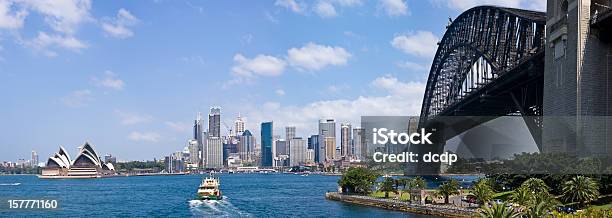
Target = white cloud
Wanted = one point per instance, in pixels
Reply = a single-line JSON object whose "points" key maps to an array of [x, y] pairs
{"points": [[133, 118], [109, 81], [393, 7], [467, 4], [62, 15], [78, 98], [263, 65], [144, 136], [118, 27], [280, 92], [178, 126], [11, 19], [337, 88], [43, 41], [315, 57], [349, 3], [325, 9], [412, 66], [293, 5], [399, 98], [421, 43]]}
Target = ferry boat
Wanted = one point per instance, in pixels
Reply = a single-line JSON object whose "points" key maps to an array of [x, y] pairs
{"points": [[209, 189]]}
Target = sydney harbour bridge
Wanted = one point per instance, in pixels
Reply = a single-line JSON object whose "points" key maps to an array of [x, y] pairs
{"points": [[552, 69]]}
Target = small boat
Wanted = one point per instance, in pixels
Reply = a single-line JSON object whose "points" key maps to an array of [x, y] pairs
{"points": [[209, 189]]}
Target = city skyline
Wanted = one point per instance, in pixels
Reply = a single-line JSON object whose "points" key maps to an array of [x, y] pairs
{"points": [[118, 74]]}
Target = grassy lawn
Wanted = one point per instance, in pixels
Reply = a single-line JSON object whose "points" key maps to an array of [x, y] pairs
{"points": [[378, 194]]}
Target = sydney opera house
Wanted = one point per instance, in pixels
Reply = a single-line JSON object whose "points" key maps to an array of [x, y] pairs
{"points": [[87, 164]]}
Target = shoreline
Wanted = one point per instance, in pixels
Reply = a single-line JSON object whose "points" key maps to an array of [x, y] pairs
{"points": [[389, 204]]}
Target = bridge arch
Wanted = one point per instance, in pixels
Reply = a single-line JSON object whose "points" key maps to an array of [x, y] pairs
{"points": [[482, 46]]}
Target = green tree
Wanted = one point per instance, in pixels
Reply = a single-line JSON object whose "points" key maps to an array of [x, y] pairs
{"points": [[482, 191], [582, 189], [388, 185], [405, 183], [536, 186], [419, 183], [358, 180], [497, 211], [521, 196], [447, 189]]}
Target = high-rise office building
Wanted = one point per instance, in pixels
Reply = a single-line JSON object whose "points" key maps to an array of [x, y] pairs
{"points": [[266, 143], [313, 143], [280, 147], [200, 138], [239, 125], [310, 156], [297, 152], [246, 146], [289, 132], [327, 132], [214, 122], [194, 151], [214, 152], [359, 143], [330, 148], [34, 161], [345, 140]]}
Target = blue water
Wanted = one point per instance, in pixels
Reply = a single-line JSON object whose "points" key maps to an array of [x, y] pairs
{"points": [[246, 195]]}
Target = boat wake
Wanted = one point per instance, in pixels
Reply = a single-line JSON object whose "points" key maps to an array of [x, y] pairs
{"points": [[209, 208], [10, 184]]}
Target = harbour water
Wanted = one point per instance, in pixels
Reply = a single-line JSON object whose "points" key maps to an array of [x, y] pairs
{"points": [[245, 195]]}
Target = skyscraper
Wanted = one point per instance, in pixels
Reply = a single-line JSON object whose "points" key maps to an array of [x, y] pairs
{"points": [[327, 129], [359, 143], [266, 143], [345, 140], [34, 161], [330, 148], [313, 143], [214, 152], [239, 125], [280, 147], [194, 151], [214, 122], [246, 145], [199, 137], [289, 132], [297, 151]]}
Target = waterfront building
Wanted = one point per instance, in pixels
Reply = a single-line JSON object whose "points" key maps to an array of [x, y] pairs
{"points": [[359, 143], [310, 157], [194, 151], [345, 140], [87, 164], [313, 143], [199, 135], [239, 125], [266, 143], [214, 122], [330, 148], [34, 160], [214, 152], [327, 129], [246, 145], [230, 146], [174, 164], [281, 161], [297, 151], [280, 147]]}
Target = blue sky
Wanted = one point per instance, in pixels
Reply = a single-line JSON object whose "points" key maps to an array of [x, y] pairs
{"points": [[130, 76]]}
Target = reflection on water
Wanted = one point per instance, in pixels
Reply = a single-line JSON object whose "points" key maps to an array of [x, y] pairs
{"points": [[221, 208]]}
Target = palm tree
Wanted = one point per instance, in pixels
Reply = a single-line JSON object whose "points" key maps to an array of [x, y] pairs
{"points": [[482, 191], [404, 183], [447, 189], [521, 196], [498, 211], [419, 183], [582, 189], [388, 185], [536, 185]]}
